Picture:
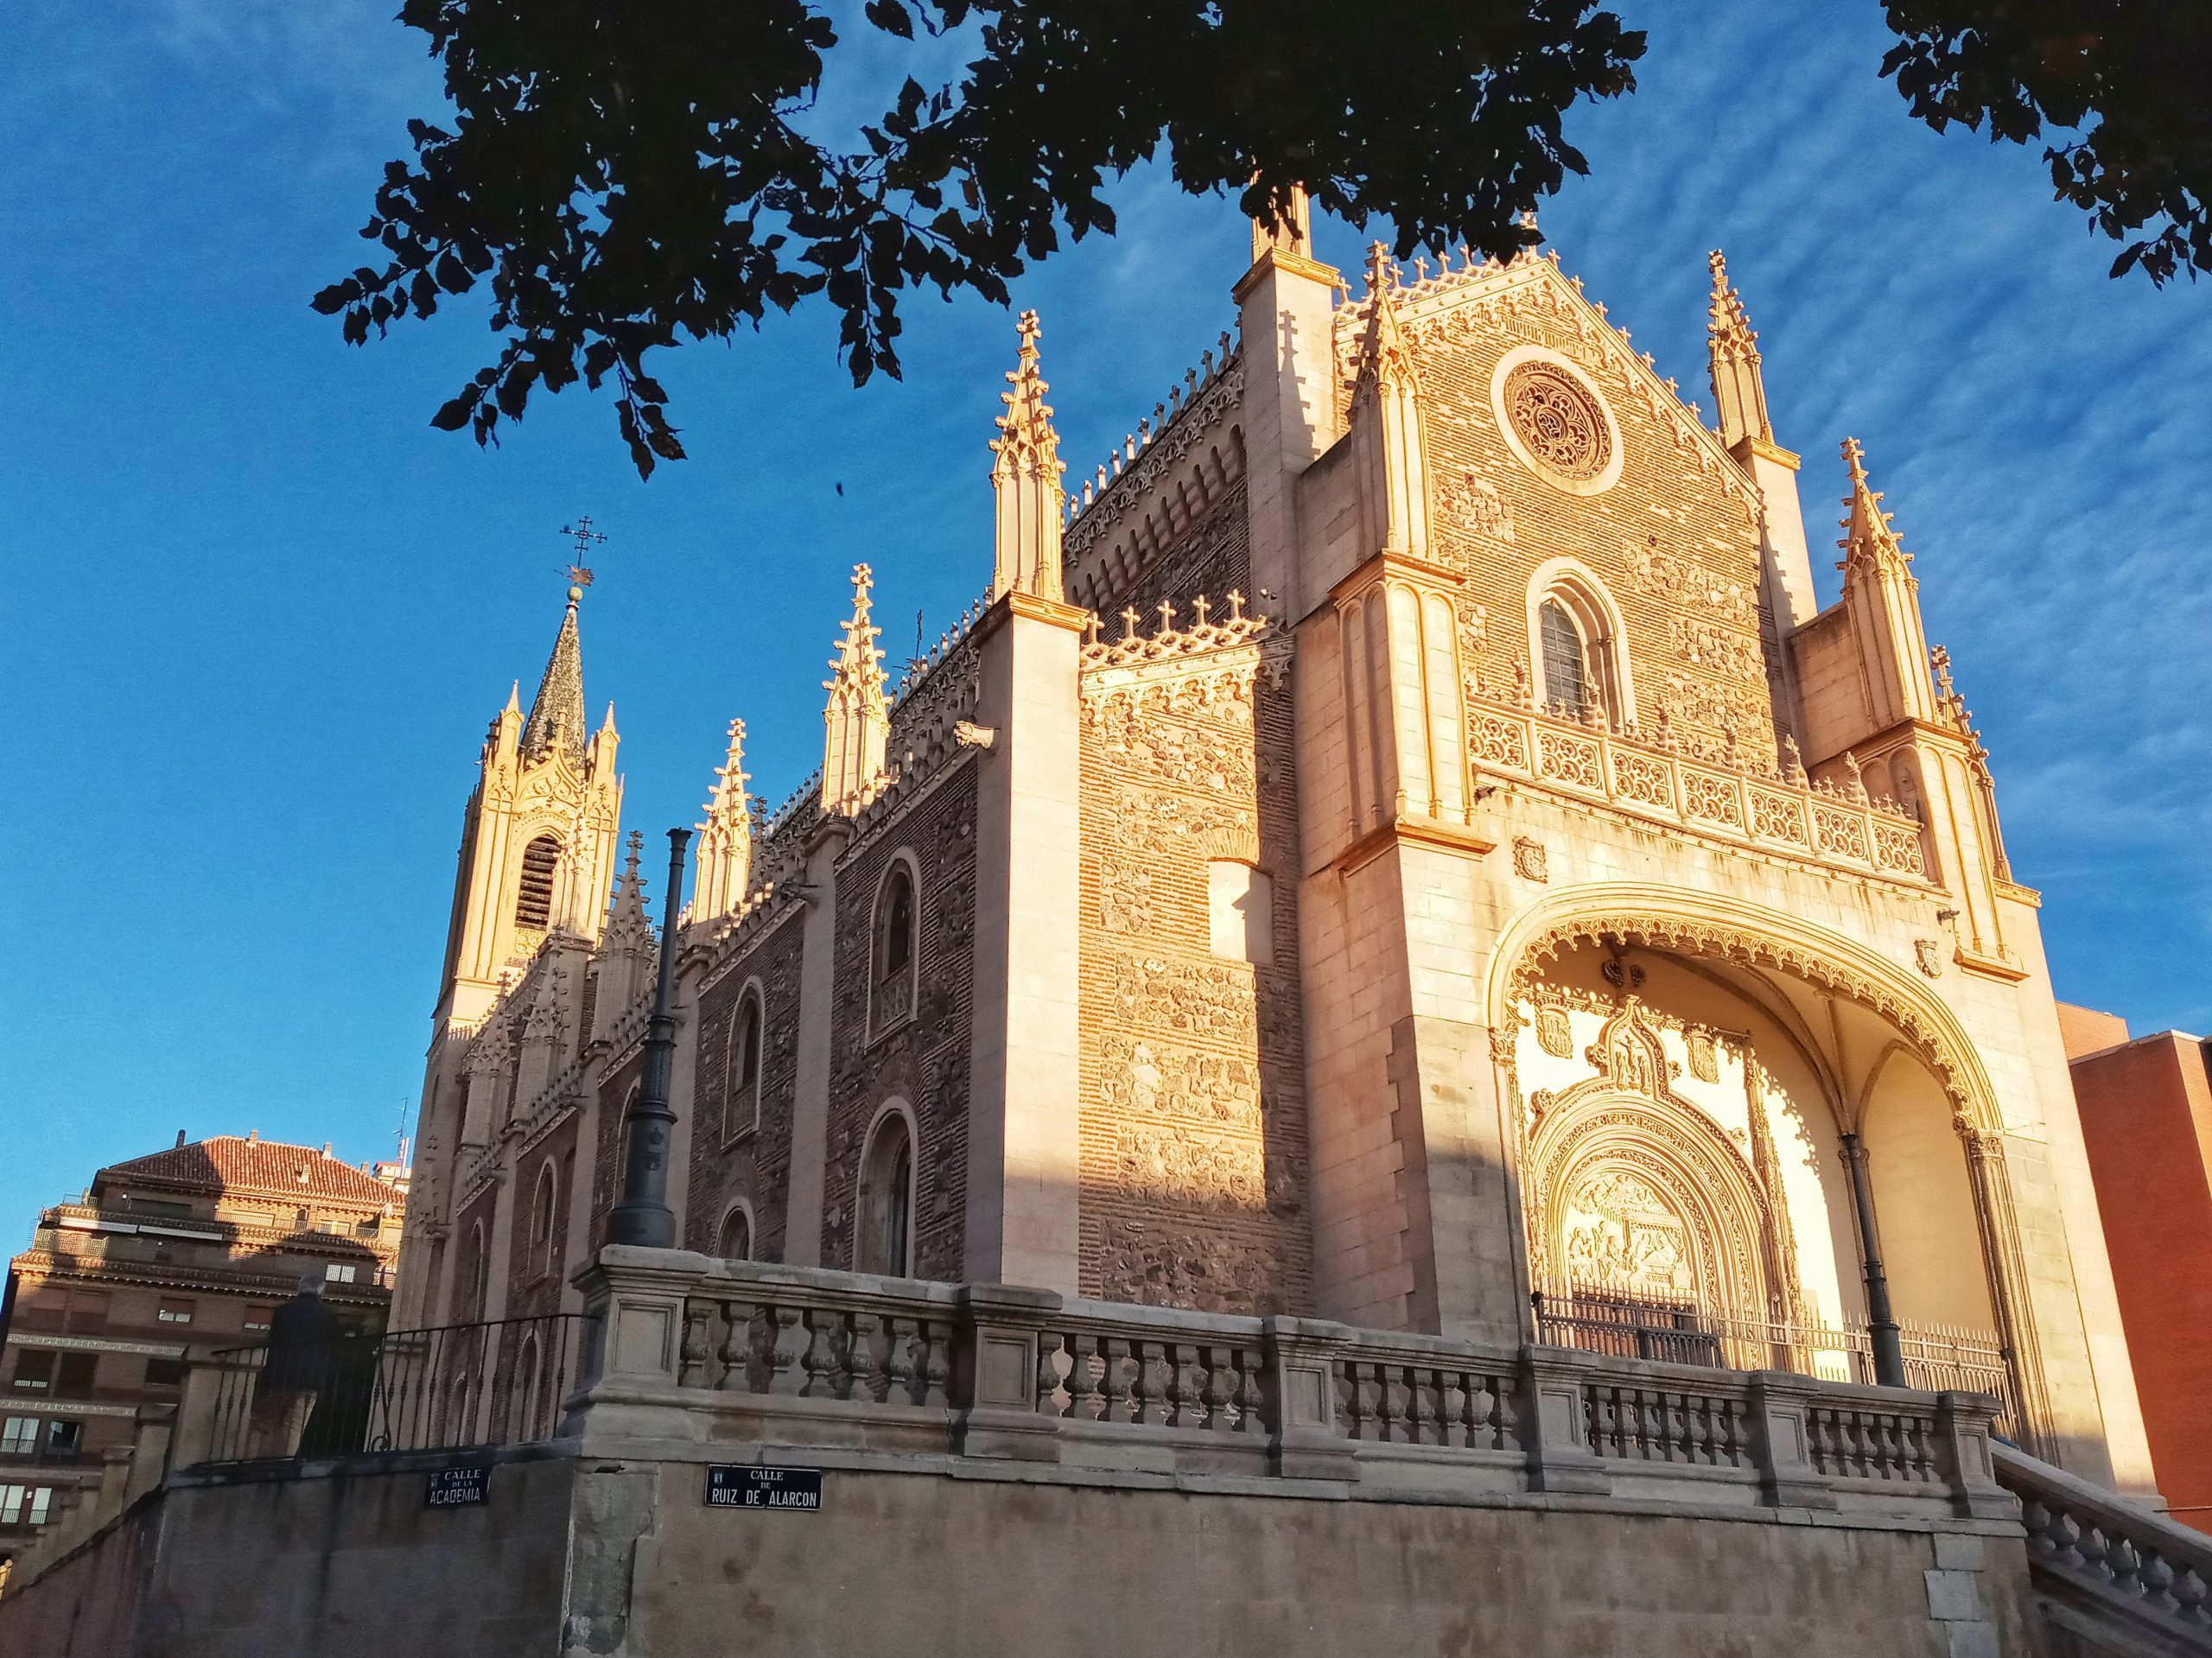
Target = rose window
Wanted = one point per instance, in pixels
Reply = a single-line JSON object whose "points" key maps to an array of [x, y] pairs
{"points": [[1559, 423]]}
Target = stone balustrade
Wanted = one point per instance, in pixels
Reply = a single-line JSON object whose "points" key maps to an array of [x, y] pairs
{"points": [[691, 1348], [1796, 819], [2105, 1565]]}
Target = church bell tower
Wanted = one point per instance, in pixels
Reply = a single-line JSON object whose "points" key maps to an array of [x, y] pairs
{"points": [[538, 837]]}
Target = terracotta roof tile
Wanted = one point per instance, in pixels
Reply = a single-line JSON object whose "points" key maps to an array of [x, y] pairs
{"points": [[228, 1164]]}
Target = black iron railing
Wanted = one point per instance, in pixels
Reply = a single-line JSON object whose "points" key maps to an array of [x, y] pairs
{"points": [[1937, 1357], [497, 1382]]}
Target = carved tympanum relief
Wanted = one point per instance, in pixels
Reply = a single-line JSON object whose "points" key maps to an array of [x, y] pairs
{"points": [[1661, 1162]]}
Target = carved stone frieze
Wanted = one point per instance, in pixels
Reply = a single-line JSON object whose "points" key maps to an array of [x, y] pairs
{"points": [[1200, 998], [1146, 1077], [1154, 1265]]}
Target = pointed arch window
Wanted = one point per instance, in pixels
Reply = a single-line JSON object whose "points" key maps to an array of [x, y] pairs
{"points": [[543, 1207], [736, 1240], [884, 1242], [1567, 679], [534, 898], [741, 1089], [1575, 640], [897, 949]]}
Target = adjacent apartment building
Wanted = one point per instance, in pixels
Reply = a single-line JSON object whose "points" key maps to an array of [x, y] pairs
{"points": [[2147, 1115], [194, 1246]]}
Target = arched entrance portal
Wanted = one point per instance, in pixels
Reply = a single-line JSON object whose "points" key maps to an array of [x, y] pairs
{"points": [[1740, 1147]]}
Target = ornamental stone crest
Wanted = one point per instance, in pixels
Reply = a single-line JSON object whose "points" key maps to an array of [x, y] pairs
{"points": [[1529, 861]]}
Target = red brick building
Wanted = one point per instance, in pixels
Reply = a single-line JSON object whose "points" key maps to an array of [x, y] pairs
{"points": [[193, 1247], [2146, 1114]]}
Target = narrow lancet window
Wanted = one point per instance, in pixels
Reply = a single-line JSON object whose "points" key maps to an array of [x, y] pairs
{"points": [[534, 902], [1566, 687], [886, 1205]]}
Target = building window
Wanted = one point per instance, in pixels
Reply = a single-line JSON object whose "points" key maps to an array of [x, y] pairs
{"points": [[480, 1272], [257, 1320], [165, 1373], [896, 949], [341, 1272], [885, 1211], [25, 1505], [34, 1369], [534, 901], [736, 1240], [1576, 641], [1240, 910], [64, 1439], [74, 1377], [1566, 686], [742, 1096], [88, 1311], [540, 1219], [173, 1312], [18, 1436]]}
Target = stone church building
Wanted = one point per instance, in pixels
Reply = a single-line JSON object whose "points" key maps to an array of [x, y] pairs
{"points": [[1398, 844]]}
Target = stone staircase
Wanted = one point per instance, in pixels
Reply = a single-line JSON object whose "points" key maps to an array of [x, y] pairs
{"points": [[2114, 1578]]}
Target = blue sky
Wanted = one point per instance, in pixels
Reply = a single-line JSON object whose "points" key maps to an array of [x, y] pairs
{"points": [[257, 613]]}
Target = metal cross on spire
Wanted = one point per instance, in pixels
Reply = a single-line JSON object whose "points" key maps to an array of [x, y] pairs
{"points": [[584, 536]]}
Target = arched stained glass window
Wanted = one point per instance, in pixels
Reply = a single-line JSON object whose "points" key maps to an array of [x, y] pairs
{"points": [[1566, 682]]}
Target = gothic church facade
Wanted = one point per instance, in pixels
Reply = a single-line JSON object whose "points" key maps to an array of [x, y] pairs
{"points": [[1397, 844]]}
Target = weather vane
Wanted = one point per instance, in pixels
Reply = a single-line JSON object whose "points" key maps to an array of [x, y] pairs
{"points": [[583, 534]]}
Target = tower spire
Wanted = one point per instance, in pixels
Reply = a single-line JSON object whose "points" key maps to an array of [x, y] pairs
{"points": [[1738, 388], [557, 714], [1385, 422], [1025, 472], [858, 720], [1870, 540], [1291, 234], [726, 838]]}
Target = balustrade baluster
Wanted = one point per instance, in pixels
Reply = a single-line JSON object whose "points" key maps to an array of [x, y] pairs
{"points": [[736, 1349], [1419, 1419], [870, 1358], [1049, 1345], [2189, 1593], [898, 1358], [1183, 1397], [935, 1338], [1251, 1391], [821, 1359], [1114, 1382], [2125, 1566], [1144, 1382], [786, 1344], [2158, 1576], [691, 1369], [1604, 1423], [1388, 1412], [1453, 1402], [1505, 1412], [1220, 1385]]}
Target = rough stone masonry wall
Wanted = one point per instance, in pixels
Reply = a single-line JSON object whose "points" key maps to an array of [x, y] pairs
{"points": [[622, 1557], [1193, 1179], [1676, 545], [891, 1565], [923, 1061], [739, 1160]]}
